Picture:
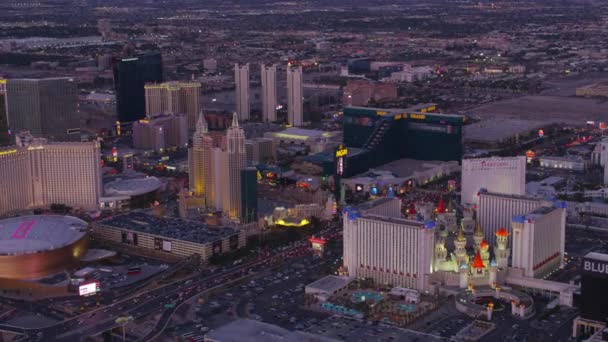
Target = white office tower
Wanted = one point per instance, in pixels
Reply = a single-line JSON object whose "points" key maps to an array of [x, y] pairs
{"points": [[235, 161], [498, 175], [174, 98], [241, 82], [268, 74], [380, 244], [538, 240], [41, 174], [495, 211], [295, 96], [196, 157]]}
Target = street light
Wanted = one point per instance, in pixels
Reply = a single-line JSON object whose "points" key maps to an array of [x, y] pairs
{"points": [[123, 322]]}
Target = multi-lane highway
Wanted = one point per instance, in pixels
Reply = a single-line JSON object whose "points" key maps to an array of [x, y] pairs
{"points": [[143, 304]]}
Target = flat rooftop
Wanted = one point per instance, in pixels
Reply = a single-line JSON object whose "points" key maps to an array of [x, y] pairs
{"points": [[38, 233], [329, 284], [247, 330], [597, 256], [403, 168], [169, 227], [498, 128], [132, 187]]}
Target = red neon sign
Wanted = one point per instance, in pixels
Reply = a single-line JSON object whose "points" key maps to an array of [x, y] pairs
{"points": [[23, 229]]}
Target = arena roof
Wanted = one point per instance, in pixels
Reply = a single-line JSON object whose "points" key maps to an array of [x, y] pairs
{"points": [[245, 330], [132, 187], [169, 227], [38, 233]]}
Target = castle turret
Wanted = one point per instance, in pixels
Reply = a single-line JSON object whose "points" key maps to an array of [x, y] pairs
{"points": [[460, 244], [478, 235], [441, 252], [484, 250], [440, 206], [501, 251]]}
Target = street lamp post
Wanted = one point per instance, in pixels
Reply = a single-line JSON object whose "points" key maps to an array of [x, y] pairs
{"points": [[123, 322]]}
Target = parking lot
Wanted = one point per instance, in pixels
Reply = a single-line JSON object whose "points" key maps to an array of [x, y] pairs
{"points": [[276, 297]]}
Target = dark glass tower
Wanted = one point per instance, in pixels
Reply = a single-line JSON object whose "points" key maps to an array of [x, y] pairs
{"points": [[130, 76], [249, 195]]}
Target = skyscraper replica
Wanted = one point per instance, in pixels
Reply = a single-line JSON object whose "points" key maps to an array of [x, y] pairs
{"points": [[174, 98], [130, 77], [42, 173], [235, 161], [268, 74], [45, 107], [241, 80], [196, 158], [295, 96]]}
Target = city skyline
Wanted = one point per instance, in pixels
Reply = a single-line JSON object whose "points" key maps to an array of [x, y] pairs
{"points": [[209, 171]]}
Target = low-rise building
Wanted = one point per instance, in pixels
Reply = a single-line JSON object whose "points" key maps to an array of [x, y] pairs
{"points": [[327, 286], [314, 140], [168, 235], [574, 163]]}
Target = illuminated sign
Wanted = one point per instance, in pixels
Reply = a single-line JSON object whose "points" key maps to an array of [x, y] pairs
{"points": [[595, 267], [144, 121], [2, 81], [88, 289], [4, 153], [341, 166], [341, 152], [398, 116], [302, 223], [417, 116], [381, 112], [541, 133]]}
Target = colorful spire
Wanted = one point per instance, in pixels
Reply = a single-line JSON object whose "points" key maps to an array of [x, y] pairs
{"points": [[440, 206], [477, 261], [478, 231], [484, 244], [461, 236], [450, 208], [502, 232]]}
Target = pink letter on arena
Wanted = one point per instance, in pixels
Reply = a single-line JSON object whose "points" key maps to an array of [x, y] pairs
{"points": [[23, 229]]}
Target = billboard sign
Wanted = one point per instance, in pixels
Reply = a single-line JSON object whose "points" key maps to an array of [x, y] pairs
{"points": [[595, 268], [166, 246], [89, 288]]}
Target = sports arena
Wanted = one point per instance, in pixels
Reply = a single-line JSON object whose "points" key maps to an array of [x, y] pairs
{"points": [[36, 246]]}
